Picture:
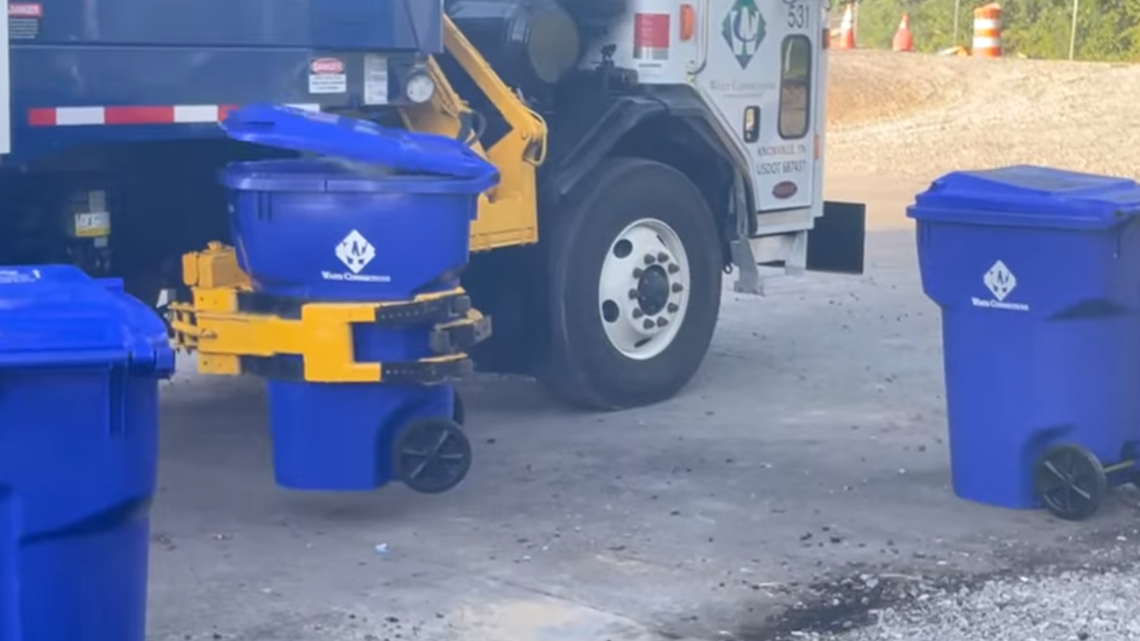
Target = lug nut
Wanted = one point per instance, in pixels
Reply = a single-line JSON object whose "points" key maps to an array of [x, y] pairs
{"points": [[677, 288], [633, 294], [650, 259], [673, 268], [648, 324], [637, 272], [662, 322], [637, 313], [673, 308], [662, 257]]}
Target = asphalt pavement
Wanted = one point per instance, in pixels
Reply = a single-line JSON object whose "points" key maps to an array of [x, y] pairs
{"points": [[798, 488]]}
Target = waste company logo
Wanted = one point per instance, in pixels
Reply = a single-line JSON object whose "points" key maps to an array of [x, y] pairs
{"points": [[1001, 282], [744, 29], [355, 252]]}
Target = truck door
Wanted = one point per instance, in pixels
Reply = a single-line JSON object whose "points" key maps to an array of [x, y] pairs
{"points": [[760, 76]]}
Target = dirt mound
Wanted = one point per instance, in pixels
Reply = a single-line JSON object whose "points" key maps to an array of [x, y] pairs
{"points": [[919, 116], [867, 86]]}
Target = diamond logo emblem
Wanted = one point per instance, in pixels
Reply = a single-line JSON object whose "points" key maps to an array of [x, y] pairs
{"points": [[744, 29], [355, 252], [1000, 281]]}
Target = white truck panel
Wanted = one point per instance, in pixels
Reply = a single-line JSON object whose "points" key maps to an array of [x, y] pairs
{"points": [[758, 65]]}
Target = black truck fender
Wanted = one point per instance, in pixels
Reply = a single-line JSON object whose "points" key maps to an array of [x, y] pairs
{"points": [[667, 124]]}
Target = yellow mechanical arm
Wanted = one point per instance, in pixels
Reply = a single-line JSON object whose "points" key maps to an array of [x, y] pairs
{"points": [[508, 214], [314, 342]]}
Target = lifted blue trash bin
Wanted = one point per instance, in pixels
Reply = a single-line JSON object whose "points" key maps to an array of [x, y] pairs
{"points": [[1037, 273], [79, 369], [383, 215], [380, 216]]}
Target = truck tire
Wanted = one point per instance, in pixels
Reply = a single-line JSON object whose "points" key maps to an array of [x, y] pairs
{"points": [[634, 286]]}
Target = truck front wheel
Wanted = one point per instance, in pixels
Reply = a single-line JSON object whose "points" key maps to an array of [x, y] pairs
{"points": [[634, 284]]}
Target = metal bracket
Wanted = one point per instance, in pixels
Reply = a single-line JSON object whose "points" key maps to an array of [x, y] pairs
{"points": [[748, 280], [237, 331]]}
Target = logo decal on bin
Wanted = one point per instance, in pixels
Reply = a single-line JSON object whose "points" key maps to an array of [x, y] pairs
{"points": [[1001, 282], [356, 253]]}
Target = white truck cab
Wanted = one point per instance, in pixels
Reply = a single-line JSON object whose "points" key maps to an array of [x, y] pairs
{"points": [[759, 67]]}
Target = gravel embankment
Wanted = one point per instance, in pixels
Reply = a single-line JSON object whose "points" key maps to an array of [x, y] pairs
{"points": [[918, 116]]}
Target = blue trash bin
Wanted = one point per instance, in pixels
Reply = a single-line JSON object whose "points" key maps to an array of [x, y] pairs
{"points": [[1037, 273], [380, 215], [79, 369], [383, 215]]}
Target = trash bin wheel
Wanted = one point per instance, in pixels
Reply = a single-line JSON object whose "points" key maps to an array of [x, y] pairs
{"points": [[458, 412], [1070, 482], [433, 455], [634, 284]]}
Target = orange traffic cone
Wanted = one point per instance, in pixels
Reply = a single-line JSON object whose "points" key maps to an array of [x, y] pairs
{"points": [[847, 30], [903, 40]]}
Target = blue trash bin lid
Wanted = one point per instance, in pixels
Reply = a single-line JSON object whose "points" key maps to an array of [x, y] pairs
{"points": [[58, 316], [359, 140], [1029, 196]]}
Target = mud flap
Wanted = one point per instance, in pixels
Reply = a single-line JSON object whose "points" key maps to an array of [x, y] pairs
{"points": [[837, 242]]}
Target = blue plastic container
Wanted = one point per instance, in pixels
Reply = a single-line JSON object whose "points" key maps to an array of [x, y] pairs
{"points": [[339, 437], [384, 215], [1037, 273], [79, 369]]}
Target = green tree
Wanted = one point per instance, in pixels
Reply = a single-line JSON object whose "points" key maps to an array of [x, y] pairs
{"points": [[1106, 29]]}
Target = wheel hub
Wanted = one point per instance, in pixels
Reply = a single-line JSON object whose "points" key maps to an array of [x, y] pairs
{"points": [[653, 290], [644, 289]]}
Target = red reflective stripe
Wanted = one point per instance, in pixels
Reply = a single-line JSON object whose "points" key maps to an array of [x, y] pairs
{"points": [[139, 115], [41, 117], [135, 115]]}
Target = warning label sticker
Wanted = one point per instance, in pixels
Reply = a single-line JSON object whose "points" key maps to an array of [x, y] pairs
{"points": [[375, 79], [24, 20], [327, 75]]}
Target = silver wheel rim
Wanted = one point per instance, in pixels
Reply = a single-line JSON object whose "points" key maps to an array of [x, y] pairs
{"points": [[643, 292]]}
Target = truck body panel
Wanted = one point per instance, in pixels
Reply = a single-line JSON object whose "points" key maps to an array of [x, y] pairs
{"points": [[757, 65], [116, 105], [99, 71]]}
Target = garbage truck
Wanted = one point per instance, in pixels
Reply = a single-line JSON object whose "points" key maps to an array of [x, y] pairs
{"points": [[646, 149]]}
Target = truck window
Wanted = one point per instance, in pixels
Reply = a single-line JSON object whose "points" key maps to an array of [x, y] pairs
{"points": [[795, 87]]}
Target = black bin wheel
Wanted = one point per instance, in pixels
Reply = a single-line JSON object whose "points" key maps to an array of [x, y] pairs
{"points": [[1070, 482], [432, 455]]}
